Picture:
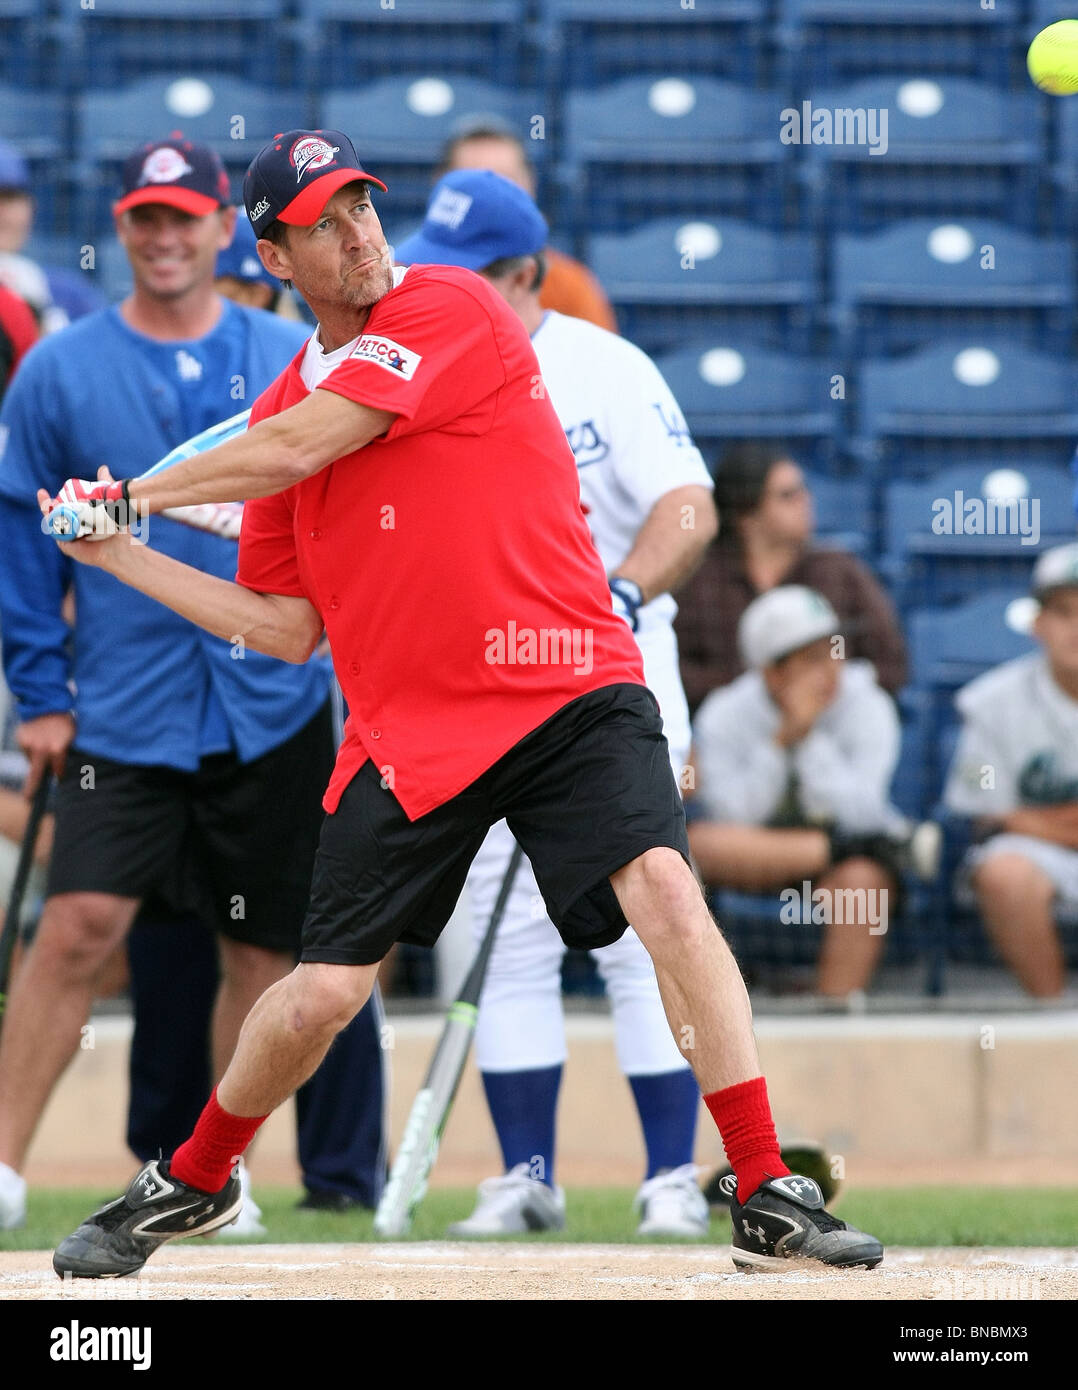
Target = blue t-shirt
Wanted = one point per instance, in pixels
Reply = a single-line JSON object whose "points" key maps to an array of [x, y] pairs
{"points": [[151, 687]]}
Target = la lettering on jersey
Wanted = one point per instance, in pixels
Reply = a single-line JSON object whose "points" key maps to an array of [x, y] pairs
{"points": [[483, 534]]}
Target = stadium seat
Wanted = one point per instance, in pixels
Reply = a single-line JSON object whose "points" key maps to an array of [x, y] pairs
{"points": [[36, 124], [232, 116], [111, 40], [741, 391], [28, 52], [1064, 167], [961, 398], [348, 42], [676, 279], [824, 41], [1008, 516], [953, 148], [587, 42], [676, 143], [949, 646], [401, 124], [843, 509], [909, 284]]}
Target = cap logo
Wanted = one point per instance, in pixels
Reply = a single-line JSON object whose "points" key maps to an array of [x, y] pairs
{"points": [[450, 208], [261, 207], [311, 153], [165, 165]]}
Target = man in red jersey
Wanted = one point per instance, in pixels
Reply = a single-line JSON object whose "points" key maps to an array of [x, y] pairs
{"points": [[409, 489]]}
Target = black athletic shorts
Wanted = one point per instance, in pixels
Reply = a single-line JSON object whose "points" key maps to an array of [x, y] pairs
{"points": [[584, 793], [233, 840]]}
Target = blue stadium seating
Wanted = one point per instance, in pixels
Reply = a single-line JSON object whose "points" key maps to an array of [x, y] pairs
{"points": [[592, 41], [928, 561], [676, 143], [401, 124], [28, 51], [949, 646], [1064, 167], [844, 512], [954, 148], [741, 391], [233, 116], [348, 42], [961, 398], [36, 124], [113, 40], [911, 283], [825, 41], [677, 279]]}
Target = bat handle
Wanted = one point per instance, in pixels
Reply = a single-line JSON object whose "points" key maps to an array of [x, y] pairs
{"points": [[64, 523]]}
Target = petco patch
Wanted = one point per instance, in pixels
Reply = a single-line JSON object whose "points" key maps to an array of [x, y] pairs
{"points": [[384, 352]]}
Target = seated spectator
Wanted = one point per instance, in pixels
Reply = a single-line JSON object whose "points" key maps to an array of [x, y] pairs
{"points": [[1015, 774], [793, 763], [765, 539], [65, 293], [239, 275], [569, 287]]}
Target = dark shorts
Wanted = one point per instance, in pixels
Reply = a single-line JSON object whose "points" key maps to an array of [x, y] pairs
{"points": [[585, 793], [235, 841]]}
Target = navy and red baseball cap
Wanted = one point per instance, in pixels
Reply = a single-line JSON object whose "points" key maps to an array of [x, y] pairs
{"points": [[293, 177], [177, 172]]}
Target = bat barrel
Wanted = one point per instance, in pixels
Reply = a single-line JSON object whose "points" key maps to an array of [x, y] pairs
{"points": [[64, 522]]}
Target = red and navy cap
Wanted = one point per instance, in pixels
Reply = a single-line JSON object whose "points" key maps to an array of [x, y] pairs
{"points": [[293, 177], [175, 171]]}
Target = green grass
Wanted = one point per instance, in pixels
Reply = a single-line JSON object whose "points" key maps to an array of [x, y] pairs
{"points": [[898, 1216]]}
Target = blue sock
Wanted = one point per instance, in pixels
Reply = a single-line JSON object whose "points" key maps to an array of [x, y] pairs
{"points": [[668, 1104], [522, 1106]]}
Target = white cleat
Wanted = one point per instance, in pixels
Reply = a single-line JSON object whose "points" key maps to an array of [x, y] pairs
{"points": [[512, 1205], [248, 1225], [12, 1199], [671, 1204]]}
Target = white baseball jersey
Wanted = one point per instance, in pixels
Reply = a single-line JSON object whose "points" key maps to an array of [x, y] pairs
{"points": [[1019, 741], [631, 445]]}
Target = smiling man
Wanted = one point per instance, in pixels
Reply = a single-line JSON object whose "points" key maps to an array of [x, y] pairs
{"points": [[170, 744], [410, 489]]}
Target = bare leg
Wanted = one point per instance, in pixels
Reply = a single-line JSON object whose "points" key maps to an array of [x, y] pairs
{"points": [[754, 859], [50, 1002], [246, 973], [850, 950], [703, 994], [289, 1031], [1015, 899]]}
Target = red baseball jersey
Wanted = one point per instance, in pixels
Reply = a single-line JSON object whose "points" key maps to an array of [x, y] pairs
{"points": [[463, 598]]}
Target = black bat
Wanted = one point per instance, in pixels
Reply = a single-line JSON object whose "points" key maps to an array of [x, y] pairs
{"points": [[407, 1183], [9, 933]]}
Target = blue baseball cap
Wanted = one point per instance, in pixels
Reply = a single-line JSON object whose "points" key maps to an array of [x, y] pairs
{"points": [[240, 259], [14, 172], [475, 217], [293, 177]]}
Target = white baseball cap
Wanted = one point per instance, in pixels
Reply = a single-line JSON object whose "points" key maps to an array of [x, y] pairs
{"points": [[1055, 569], [782, 621]]}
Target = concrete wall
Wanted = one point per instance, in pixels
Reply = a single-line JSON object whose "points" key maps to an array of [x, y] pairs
{"points": [[899, 1099]]}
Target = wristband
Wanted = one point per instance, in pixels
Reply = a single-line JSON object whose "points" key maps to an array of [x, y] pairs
{"points": [[629, 597]]}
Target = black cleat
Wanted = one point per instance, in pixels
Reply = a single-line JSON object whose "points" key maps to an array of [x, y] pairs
{"points": [[122, 1235], [322, 1199], [785, 1219], [803, 1156]]}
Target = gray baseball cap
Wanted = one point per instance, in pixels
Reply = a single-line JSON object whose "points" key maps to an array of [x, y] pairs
{"points": [[782, 621]]}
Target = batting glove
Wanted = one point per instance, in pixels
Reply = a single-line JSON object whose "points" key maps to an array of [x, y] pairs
{"points": [[82, 490], [627, 600]]}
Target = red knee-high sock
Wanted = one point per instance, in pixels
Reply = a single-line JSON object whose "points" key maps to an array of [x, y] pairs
{"points": [[743, 1116], [219, 1139]]}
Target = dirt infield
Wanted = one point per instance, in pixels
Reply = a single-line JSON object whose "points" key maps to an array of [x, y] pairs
{"points": [[448, 1270]]}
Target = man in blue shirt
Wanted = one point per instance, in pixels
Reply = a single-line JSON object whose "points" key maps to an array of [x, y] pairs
{"points": [[177, 748]]}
